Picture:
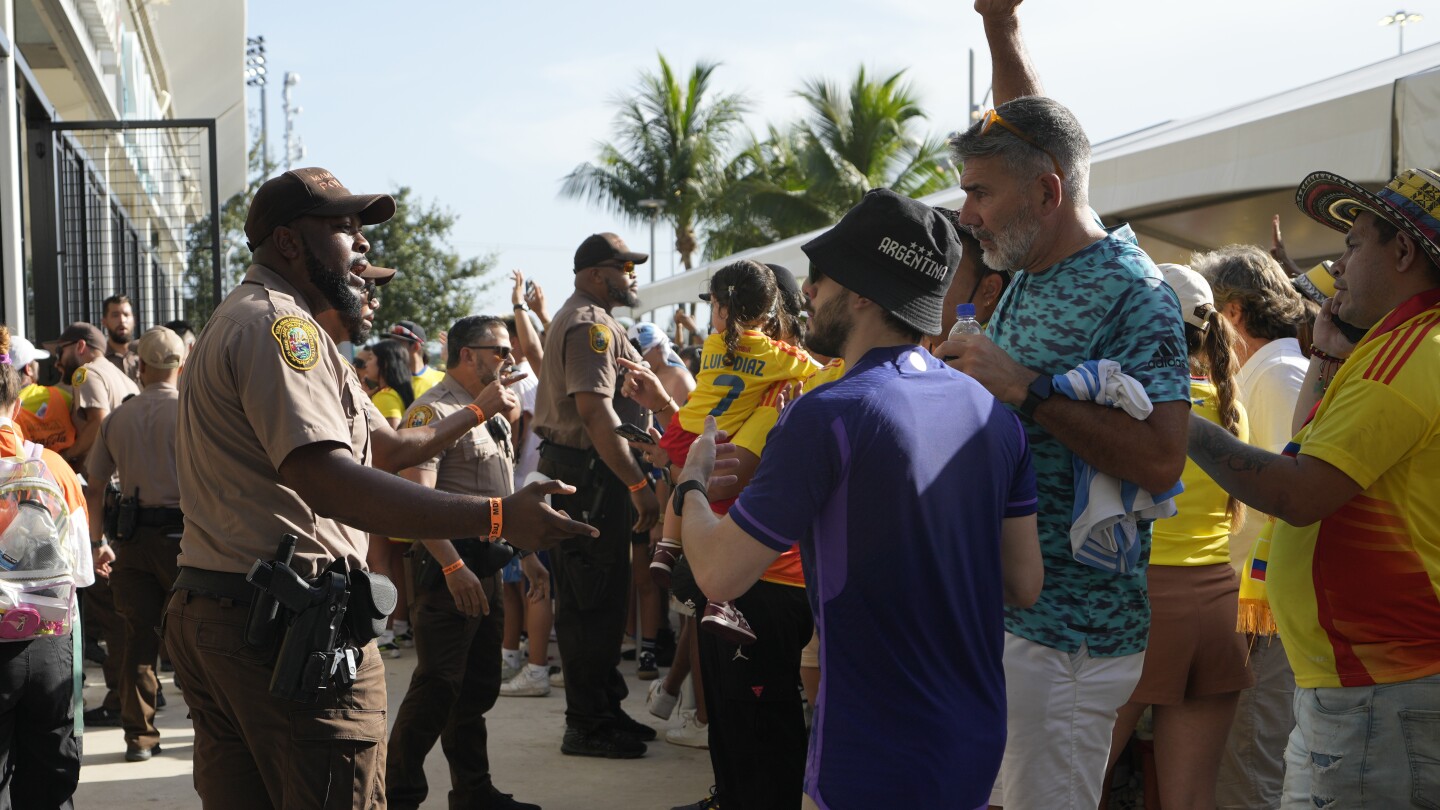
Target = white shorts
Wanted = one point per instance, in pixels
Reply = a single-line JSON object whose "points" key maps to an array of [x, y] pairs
{"points": [[1061, 711]]}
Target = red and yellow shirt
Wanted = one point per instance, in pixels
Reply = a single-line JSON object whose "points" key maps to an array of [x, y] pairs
{"points": [[1357, 595]]}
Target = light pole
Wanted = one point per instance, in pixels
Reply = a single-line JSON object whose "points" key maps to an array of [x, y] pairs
{"points": [[653, 206], [255, 77], [293, 149], [1400, 19]]}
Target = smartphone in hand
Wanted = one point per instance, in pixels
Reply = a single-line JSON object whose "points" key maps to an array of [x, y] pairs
{"points": [[634, 434]]}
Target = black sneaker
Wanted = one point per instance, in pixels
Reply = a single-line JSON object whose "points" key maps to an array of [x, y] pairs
{"points": [[101, 717], [632, 728], [160, 698], [94, 653], [647, 670], [505, 801], [607, 743], [711, 802]]}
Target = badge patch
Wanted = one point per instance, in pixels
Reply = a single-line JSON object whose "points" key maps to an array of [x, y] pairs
{"points": [[421, 415], [79, 377], [299, 342], [599, 338]]}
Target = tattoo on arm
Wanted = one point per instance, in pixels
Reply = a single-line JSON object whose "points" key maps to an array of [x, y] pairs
{"points": [[1214, 444]]}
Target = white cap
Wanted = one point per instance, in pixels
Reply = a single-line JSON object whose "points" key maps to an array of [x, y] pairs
{"points": [[1196, 299], [23, 352]]}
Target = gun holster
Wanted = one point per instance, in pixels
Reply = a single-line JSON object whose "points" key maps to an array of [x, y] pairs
{"points": [[320, 648], [112, 510], [373, 598], [127, 517]]}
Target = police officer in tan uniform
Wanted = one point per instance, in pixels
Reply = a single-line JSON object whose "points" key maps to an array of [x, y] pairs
{"points": [[276, 436], [457, 616], [577, 409], [138, 439], [98, 388]]}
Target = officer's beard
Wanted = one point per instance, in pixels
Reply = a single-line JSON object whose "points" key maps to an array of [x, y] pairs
{"points": [[339, 295], [622, 295], [122, 338]]}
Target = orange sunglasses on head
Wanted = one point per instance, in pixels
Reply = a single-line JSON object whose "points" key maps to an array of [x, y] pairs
{"points": [[992, 118]]}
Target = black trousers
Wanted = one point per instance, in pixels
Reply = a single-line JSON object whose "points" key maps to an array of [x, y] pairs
{"points": [[456, 681], [592, 587], [39, 752], [757, 722]]}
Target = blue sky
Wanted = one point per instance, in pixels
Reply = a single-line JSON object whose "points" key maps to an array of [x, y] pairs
{"points": [[484, 107]]}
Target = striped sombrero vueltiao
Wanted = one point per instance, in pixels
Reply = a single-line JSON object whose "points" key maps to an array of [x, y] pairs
{"points": [[1411, 202]]}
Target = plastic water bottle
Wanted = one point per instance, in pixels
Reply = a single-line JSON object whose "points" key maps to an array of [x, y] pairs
{"points": [[27, 544], [965, 323]]}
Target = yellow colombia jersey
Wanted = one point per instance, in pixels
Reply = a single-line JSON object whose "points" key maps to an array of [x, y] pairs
{"points": [[1200, 533], [425, 380], [756, 431], [732, 393], [1357, 594]]}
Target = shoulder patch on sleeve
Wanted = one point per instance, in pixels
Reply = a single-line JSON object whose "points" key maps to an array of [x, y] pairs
{"points": [[78, 378], [600, 338], [420, 415], [299, 342]]}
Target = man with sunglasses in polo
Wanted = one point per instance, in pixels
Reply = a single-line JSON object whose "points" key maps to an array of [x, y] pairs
{"points": [[577, 408], [1084, 293]]}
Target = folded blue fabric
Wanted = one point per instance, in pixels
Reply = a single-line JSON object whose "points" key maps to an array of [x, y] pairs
{"points": [[1104, 529]]}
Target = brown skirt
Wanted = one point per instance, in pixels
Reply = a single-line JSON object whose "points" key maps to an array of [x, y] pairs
{"points": [[1194, 650]]}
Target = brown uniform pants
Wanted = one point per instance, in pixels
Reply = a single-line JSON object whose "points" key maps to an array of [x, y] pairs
{"points": [[140, 581], [254, 751], [456, 681]]}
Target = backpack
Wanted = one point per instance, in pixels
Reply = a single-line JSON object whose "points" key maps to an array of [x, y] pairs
{"points": [[38, 558]]}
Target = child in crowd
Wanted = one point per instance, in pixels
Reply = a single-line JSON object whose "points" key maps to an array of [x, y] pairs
{"points": [[744, 368]]}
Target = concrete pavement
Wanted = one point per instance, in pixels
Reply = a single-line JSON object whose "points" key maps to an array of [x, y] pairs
{"points": [[524, 753]]}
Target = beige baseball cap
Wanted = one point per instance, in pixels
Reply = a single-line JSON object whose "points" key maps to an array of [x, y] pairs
{"points": [[162, 348], [1196, 299]]}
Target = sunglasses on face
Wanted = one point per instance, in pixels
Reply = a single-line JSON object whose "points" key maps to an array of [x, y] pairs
{"points": [[992, 119], [502, 351], [628, 268]]}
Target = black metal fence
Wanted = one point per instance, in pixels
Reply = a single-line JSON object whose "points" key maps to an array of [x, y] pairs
{"points": [[122, 207]]}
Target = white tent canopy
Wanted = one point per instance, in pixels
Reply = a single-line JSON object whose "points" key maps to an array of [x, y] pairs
{"points": [[1218, 179]]}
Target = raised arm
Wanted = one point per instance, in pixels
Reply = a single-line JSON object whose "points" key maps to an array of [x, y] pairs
{"points": [[397, 449], [1011, 73]]}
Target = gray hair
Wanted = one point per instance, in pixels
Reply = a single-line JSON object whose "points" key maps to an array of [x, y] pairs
{"points": [[1051, 126], [1270, 306]]}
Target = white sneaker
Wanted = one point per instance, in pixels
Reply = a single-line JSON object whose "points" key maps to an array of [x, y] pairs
{"points": [[508, 672], [557, 677], [659, 702], [529, 682], [691, 733]]}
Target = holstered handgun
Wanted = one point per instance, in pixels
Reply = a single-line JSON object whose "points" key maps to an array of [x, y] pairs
{"points": [[127, 517], [112, 509], [264, 610], [314, 654]]}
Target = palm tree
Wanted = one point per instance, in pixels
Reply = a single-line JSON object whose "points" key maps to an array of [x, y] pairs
{"points": [[809, 175], [670, 145]]}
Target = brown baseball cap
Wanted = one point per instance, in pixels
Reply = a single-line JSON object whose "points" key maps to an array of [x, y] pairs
{"points": [[605, 247], [161, 348], [78, 332], [309, 192]]}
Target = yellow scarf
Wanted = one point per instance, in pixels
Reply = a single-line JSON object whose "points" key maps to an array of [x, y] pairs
{"points": [[1255, 617]]}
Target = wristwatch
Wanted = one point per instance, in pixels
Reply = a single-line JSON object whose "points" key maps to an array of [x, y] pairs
{"points": [[521, 308], [684, 487], [1037, 392]]}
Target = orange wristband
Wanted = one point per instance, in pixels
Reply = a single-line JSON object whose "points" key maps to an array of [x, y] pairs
{"points": [[479, 414], [639, 486], [452, 567], [497, 522]]}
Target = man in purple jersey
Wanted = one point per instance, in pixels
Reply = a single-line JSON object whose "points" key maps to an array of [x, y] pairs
{"points": [[910, 491]]}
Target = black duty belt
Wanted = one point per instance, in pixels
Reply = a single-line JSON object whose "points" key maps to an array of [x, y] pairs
{"points": [[160, 516], [216, 585], [564, 456]]}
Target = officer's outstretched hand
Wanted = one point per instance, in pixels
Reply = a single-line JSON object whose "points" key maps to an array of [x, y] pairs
{"points": [[531, 523]]}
